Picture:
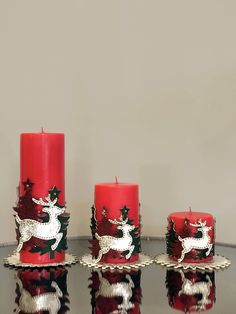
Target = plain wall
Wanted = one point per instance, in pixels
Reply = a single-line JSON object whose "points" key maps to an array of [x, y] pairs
{"points": [[145, 90]]}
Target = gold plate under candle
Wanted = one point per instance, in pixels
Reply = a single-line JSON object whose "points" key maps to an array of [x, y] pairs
{"points": [[144, 260], [219, 262], [14, 261]]}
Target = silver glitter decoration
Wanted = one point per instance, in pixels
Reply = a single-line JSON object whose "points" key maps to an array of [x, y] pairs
{"points": [[48, 301], [42, 230], [202, 287], [202, 243], [122, 244], [120, 289]]}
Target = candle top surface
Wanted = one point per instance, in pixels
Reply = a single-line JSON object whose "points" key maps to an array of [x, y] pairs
{"points": [[42, 133], [115, 184], [191, 214]]}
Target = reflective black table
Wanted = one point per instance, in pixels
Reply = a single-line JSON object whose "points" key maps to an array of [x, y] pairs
{"points": [[152, 290]]}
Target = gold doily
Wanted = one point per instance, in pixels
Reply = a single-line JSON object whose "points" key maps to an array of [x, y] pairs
{"points": [[144, 260], [218, 262]]}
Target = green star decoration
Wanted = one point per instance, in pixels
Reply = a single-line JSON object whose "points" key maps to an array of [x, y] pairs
{"points": [[28, 185], [54, 193], [124, 212]]}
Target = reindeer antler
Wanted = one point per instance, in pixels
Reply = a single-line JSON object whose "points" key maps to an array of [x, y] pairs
{"points": [[41, 202], [118, 222], [199, 224]]}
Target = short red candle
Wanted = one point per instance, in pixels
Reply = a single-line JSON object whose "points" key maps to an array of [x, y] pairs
{"points": [[42, 161], [182, 226], [112, 197]]}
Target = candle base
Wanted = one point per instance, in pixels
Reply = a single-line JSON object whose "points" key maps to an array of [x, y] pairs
{"points": [[218, 262], [14, 261], [88, 260]]}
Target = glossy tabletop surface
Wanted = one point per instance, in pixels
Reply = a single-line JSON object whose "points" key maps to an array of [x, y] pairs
{"points": [[78, 289]]}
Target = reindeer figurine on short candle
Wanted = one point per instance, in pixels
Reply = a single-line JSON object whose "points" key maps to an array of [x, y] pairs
{"points": [[202, 243], [42, 230], [122, 244]]}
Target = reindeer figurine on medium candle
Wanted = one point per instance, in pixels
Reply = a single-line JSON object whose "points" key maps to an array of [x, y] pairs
{"points": [[42, 230], [202, 243], [122, 244]]}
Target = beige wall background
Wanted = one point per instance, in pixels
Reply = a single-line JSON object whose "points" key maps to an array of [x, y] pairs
{"points": [[145, 90]]}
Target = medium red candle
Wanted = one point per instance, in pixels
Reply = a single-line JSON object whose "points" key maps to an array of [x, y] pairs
{"points": [[116, 201], [190, 237], [42, 166]]}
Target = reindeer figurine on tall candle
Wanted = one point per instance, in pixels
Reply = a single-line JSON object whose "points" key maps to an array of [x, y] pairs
{"points": [[42, 230]]}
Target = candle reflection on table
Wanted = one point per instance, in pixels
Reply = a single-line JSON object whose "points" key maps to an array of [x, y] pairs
{"points": [[190, 291], [39, 291], [115, 292]]}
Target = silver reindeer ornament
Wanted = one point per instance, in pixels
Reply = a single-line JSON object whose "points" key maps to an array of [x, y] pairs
{"points": [[202, 243], [42, 230], [122, 244]]}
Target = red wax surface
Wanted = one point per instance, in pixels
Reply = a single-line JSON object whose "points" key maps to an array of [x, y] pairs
{"points": [[193, 217], [42, 161], [113, 197]]}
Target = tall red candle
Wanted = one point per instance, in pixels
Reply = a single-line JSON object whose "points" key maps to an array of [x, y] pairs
{"points": [[42, 164], [111, 200], [190, 237], [42, 160]]}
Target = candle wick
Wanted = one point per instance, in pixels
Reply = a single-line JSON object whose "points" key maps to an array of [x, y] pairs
{"points": [[190, 209], [42, 130], [116, 180]]}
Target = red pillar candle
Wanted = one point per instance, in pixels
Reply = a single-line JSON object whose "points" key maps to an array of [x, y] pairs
{"points": [[42, 161], [116, 214], [190, 237], [190, 291], [41, 174]]}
